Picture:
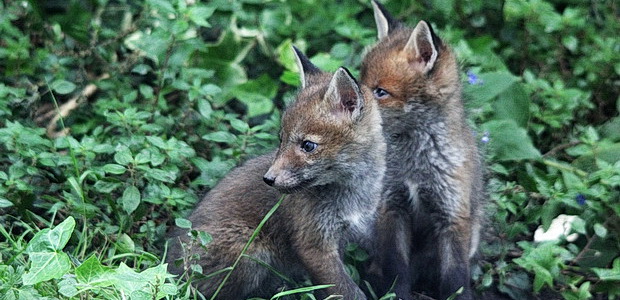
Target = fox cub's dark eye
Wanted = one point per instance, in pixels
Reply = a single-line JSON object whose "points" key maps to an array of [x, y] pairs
{"points": [[308, 146], [380, 93]]}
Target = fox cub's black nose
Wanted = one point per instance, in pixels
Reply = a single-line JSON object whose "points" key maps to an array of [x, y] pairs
{"points": [[269, 180]]}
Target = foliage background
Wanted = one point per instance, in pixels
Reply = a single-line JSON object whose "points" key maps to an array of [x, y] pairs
{"points": [[116, 115]]}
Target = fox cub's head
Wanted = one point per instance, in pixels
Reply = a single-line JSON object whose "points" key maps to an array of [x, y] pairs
{"points": [[329, 133], [408, 68]]}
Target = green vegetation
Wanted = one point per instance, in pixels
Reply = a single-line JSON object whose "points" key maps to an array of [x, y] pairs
{"points": [[116, 115]]}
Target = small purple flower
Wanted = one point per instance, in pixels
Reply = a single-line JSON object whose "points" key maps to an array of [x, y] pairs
{"points": [[473, 79], [581, 199], [485, 137]]}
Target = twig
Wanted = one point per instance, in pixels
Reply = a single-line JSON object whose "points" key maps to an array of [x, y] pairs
{"points": [[64, 110], [561, 147]]}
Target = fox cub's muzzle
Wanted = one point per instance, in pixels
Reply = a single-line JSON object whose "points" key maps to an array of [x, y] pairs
{"points": [[269, 179]]}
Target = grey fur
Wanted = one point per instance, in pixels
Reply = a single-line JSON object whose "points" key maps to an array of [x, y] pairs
{"points": [[434, 187], [335, 203]]}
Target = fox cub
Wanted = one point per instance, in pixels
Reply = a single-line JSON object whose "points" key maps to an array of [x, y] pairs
{"points": [[330, 164], [429, 226]]}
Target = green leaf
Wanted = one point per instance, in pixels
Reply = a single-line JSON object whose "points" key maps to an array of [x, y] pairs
{"points": [[63, 87], [541, 277], [103, 148], [68, 286], [143, 284], [239, 125], [183, 223], [487, 279], [220, 137], [224, 58], [146, 91], [326, 62], [130, 199], [45, 266], [157, 141], [114, 169], [204, 237], [257, 94], [607, 152], [570, 42], [4, 203], [152, 44], [47, 261], [52, 239], [200, 14], [92, 272], [492, 85], [125, 244], [509, 142], [513, 103], [123, 156], [162, 5], [286, 57], [204, 108], [612, 274], [600, 230], [579, 225], [143, 157], [161, 175], [141, 69]]}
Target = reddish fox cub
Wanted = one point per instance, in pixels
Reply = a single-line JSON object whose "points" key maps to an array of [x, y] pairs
{"points": [[330, 163], [429, 226]]}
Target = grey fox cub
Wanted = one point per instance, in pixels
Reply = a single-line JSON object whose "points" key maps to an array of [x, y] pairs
{"points": [[331, 160], [429, 227]]}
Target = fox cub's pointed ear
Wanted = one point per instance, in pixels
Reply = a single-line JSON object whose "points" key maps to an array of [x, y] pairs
{"points": [[422, 46], [385, 22], [306, 68], [344, 94]]}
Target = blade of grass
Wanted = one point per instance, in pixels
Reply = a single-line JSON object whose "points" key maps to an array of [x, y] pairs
{"points": [[301, 290], [247, 245], [62, 123], [82, 244], [272, 269]]}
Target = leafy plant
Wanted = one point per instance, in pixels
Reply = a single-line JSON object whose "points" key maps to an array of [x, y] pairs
{"points": [[116, 116]]}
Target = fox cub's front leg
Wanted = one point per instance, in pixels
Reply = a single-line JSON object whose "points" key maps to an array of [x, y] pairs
{"points": [[454, 247], [326, 267]]}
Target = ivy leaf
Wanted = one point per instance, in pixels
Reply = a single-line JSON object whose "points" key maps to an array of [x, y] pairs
{"points": [[140, 285], [52, 239], [541, 276], [47, 261], [612, 274], [200, 14], [92, 272], [67, 286], [45, 266]]}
